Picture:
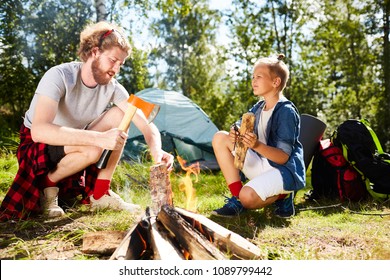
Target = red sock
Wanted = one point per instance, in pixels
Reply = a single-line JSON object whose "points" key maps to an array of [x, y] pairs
{"points": [[235, 188], [101, 188], [49, 183]]}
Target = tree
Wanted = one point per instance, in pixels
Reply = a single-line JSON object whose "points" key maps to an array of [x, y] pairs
{"points": [[16, 78], [134, 75], [187, 33], [377, 22], [101, 11], [258, 29], [54, 28], [339, 59]]}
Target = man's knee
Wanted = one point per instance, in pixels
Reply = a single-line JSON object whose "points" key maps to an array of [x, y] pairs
{"points": [[92, 154], [87, 154], [109, 119], [113, 116]]}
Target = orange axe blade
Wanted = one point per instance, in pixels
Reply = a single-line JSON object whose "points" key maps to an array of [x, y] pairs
{"points": [[149, 110]]}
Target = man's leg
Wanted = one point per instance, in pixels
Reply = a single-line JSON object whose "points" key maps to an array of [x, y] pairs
{"points": [[77, 158], [103, 196]]}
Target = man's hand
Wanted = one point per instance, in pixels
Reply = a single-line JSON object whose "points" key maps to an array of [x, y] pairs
{"points": [[168, 159], [112, 139]]}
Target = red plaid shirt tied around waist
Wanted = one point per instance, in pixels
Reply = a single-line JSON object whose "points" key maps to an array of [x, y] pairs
{"points": [[23, 197]]}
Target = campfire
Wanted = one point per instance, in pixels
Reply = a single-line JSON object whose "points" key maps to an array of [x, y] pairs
{"points": [[168, 232]]}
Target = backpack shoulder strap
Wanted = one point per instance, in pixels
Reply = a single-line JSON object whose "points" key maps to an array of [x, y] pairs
{"points": [[373, 135]]}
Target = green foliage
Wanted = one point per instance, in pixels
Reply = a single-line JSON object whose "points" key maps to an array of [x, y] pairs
{"points": [[134, 75], [187, 32], [338, 53], [321, 230], [338, 67], [67, 18], [8, 169], [16, 80]]}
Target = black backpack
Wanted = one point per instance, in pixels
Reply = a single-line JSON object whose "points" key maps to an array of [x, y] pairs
{"points": [[362, 149], [333, 177]]}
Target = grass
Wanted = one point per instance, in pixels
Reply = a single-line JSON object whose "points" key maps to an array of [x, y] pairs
{"points": [[353, 231]]}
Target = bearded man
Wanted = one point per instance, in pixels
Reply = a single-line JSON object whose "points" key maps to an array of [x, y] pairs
{"points": [[72, 118]]}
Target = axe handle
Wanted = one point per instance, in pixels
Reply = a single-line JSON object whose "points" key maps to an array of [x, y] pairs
{"points": [[124, 126]]}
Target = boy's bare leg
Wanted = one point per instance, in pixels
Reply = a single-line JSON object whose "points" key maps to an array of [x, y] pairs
{"points": [[223, 148]]}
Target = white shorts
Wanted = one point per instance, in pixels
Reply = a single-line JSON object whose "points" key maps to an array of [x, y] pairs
{"points": [[264, 179]]}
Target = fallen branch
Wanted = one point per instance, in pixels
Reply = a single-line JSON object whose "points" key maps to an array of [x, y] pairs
{"points": [[366, 214], [320, 207]]}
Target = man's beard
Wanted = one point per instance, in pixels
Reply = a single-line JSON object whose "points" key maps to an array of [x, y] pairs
{"points": [[101, 77]]}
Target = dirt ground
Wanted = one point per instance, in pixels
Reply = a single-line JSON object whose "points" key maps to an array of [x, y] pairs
{"points": [[55, 239]]}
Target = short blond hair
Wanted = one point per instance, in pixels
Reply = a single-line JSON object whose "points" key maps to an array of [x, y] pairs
{"points": [[276, 67], [103, 35]]}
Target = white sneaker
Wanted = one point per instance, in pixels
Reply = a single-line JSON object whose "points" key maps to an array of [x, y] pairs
{"points": [[50, 203], [112, 201]]}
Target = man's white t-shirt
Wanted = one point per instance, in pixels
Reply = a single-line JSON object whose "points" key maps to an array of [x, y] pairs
{"points": [[78, 105]]}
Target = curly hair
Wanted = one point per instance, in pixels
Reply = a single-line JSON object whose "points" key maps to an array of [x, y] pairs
{"points": [[103, 35], [277, 68]]}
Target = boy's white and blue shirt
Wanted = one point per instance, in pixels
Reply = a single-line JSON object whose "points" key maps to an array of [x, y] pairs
{"points": [[283, 132]]}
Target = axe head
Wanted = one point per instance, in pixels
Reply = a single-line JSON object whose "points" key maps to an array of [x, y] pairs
{"points": [[150, 110]]}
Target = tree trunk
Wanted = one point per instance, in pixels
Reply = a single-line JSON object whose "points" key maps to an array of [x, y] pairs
{"points": [[386, 61], [101, 12]]}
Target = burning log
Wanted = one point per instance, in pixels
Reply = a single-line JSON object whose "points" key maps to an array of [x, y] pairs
{"points": [[160, 187], [223, 238], [135, 245], [247, 124], [162, 243], [166, 232], [178, 234], [191, 241]]}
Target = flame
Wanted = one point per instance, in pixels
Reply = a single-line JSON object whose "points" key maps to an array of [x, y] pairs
{"points": [[186, 255], [144, 243], [186, 184], [198, 225]]}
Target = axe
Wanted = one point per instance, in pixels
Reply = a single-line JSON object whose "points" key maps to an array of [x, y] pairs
{"points": [[150, 111]]}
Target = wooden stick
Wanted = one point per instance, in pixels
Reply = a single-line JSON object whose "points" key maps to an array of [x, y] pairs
{"points": [[162, 245], [224, 239], [160, 187], [194, 243], [123, 252], [247, 124]]}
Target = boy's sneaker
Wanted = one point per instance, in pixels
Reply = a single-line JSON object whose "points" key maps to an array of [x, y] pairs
{"points": [[285, 207], [112, 201], [233, 207]]}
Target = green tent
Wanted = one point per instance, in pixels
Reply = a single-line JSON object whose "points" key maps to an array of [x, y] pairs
{"points": [[185, 130]]}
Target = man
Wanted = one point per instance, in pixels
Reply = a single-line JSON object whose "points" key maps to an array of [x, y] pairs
{"points": [[68, 125]]}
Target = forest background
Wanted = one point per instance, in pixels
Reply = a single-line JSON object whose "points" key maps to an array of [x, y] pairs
{"points": [[338, 53]]}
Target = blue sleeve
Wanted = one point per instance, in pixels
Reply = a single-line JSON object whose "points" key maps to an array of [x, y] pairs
{"points": [[287, 129]]}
